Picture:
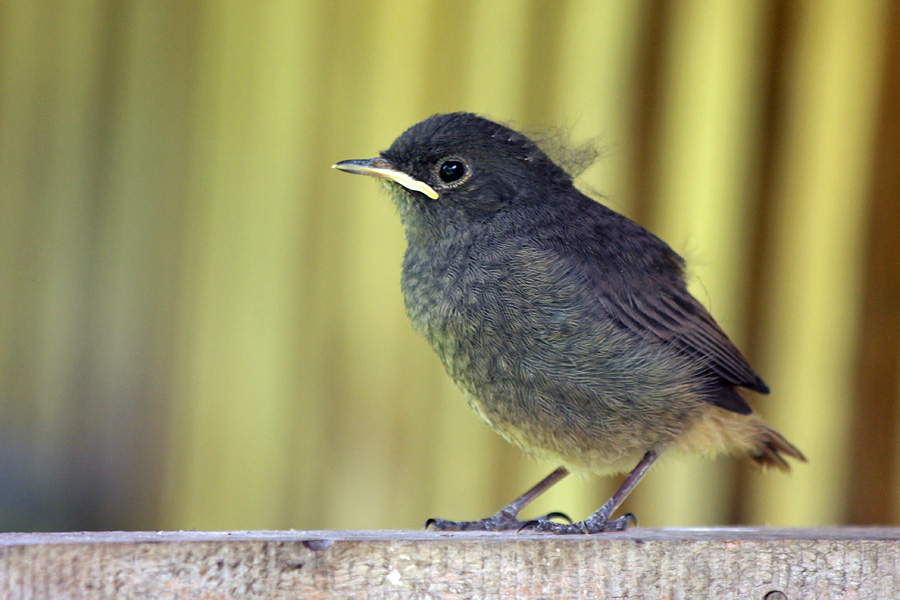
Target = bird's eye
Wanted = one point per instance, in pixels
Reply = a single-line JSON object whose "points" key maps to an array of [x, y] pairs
{"points": [[452, 170]]}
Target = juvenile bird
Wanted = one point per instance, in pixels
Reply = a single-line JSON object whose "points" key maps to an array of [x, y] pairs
{"points": [[568, 327]]}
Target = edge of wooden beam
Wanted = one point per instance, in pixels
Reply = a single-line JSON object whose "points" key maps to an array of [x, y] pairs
{"points": [[669, 534], [722, 563]]}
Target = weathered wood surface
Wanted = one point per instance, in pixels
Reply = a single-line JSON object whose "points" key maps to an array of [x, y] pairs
{"points": [[642, 563]]}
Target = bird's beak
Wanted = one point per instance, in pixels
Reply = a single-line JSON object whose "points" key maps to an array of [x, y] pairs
{"points": [[379, 167]]}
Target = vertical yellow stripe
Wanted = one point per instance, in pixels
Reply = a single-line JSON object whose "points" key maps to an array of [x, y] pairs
{"points": [[810, 314], [706, 143], [237, 380]]}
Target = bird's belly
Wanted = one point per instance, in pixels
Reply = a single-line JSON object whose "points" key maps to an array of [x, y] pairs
{"points": [[578, 449], [582, 429]]}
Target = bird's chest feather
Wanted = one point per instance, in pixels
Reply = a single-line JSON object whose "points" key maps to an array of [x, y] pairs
{"points": [[447, 289], [483, 314], [459, 301]]}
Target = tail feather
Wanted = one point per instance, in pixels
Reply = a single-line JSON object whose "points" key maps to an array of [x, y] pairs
{"points": [[772, 449]]}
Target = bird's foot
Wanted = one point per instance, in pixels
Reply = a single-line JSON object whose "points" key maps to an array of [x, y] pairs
{"points": [[596, 523], [502, 521]]}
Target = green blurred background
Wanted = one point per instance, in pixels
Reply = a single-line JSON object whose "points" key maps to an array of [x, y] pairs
{"points": [[201, 324]]}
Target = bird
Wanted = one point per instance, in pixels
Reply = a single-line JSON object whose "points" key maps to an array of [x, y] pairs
{"points": [[568, 327]]}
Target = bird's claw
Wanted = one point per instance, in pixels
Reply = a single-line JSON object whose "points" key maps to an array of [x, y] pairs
{"points": [[488, 524], [596, 523], [502, 521], [548, 518], [556, 515]]}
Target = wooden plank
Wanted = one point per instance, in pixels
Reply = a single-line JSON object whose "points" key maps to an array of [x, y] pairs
{"points": [[642, 563]]}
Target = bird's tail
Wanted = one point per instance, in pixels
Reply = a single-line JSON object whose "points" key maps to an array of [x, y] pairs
{"points": [[772, 448], [718, 430]]}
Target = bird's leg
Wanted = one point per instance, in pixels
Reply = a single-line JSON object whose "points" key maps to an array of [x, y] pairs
{"points": [[506, 518], [600, 520]]}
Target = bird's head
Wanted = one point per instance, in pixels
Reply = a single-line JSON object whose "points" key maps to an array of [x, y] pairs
{"points": [[453, 169]]}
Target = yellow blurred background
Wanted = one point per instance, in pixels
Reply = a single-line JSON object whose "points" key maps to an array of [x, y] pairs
{"points": [[201, 324]]}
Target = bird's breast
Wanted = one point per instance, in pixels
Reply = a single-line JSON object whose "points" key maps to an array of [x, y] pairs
{"points": [[443, 290]]}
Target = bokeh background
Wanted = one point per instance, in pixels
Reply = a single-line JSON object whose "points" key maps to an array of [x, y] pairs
{"points": [[200, 322]]}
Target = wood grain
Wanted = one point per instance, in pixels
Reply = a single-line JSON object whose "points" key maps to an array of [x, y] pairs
{"points": [[643, 563]]}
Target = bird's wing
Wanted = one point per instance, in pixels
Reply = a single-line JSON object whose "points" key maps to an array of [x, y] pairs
{"points": [[672, 316], [639, 282]]}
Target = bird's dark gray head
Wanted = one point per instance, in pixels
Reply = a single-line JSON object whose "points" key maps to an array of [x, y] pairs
{"points": [[456, 168]]}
